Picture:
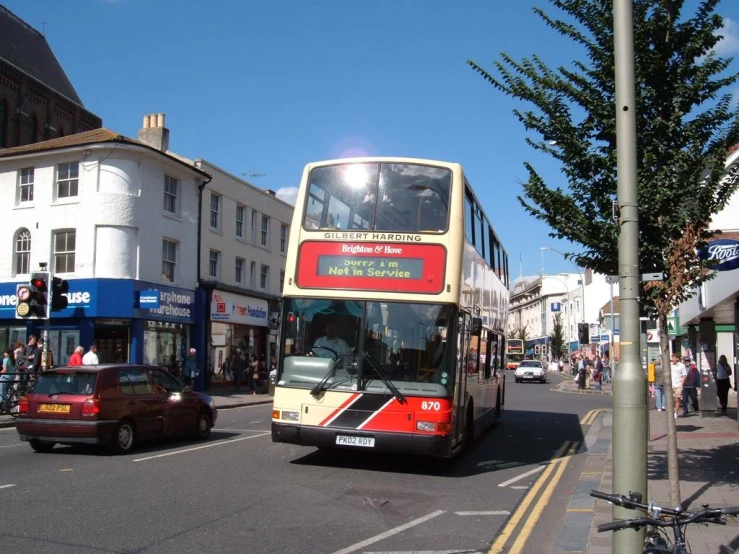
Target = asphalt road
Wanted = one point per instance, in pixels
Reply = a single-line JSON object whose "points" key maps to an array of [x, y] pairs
{"points": [[239, 492]]}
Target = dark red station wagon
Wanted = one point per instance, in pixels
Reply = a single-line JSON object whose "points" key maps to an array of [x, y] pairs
{"points": [[111, 405]]}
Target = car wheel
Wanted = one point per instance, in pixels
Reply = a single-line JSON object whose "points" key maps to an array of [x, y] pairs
{"points": [[43, 447], [543, 380], [202, 426], [123, 438], [518, 380]]}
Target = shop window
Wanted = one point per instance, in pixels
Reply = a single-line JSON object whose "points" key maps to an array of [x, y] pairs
{"points": [[165, 344]]}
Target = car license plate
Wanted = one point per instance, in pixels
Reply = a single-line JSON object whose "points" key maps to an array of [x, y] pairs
{"points": [[368, 442], [54, 408]]}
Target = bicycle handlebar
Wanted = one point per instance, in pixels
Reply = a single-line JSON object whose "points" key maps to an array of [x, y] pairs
{"points": [[706, 515]]}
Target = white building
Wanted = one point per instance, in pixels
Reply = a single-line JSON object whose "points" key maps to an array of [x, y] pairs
{"points": [[244, 239], [100, 210]]}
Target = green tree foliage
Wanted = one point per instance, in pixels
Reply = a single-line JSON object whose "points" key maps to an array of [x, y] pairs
{"points": [[557, 342], [685, 127]]}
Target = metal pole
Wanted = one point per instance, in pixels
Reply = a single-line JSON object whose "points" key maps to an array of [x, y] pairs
{"points": [[611, 350], [630, 383]]}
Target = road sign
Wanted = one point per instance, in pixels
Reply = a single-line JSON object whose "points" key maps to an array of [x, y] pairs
{"points": [[612, 279], [652, 277]]}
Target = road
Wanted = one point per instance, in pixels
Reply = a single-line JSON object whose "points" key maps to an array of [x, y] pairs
{"points": [[239, 492]]}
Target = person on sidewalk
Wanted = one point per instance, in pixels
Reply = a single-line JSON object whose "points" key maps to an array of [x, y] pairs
{"points": [[691, 385], [659, 386], [723, 383], [581, 373], [91, 357], [190, 371], [678, 373], [76, 358]]}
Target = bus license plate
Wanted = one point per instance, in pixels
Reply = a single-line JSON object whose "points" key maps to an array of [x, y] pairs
{"points": [[368, 442]]}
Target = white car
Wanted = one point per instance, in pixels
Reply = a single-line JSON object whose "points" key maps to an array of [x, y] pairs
{"points": [[531, 370]]}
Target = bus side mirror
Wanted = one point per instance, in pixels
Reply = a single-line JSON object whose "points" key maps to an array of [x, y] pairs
{"points": [[476, 327]]}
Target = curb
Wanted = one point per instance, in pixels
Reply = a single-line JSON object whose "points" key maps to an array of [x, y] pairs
{"points": [[7, 424], [562, 387]]}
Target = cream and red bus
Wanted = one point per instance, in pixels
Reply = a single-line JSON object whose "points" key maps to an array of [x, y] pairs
{"points": [[394, 310], [514, 353]]}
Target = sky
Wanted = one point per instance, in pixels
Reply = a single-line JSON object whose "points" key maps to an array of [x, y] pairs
{"points": [[260, 88]]}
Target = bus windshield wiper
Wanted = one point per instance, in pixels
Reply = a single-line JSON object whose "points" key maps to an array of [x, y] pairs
{"points": [[315, 391], [388, 383]]}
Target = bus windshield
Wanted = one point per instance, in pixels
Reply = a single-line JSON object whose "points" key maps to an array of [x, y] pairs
{"points": [[366, 346], [379, 197]]}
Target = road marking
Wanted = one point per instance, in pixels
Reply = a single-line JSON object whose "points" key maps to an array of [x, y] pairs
{"points": [[389, 533], [523, 476], [520, 487], [488, 513], [63, 470], [12, 445], [6, 486], [219, 443], [581, 510], [242, 430], [544, 499], [502, 539], [455, 551]]}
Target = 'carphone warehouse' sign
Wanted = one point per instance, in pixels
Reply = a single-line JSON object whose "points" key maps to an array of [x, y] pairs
{"points": [[174, 304]]}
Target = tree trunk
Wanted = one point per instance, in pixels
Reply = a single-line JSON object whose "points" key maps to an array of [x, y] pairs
{"points": [[673, 470]]}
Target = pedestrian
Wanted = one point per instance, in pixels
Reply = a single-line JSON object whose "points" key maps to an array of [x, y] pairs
{"points": [[659, 385], [6, 372], [76, 358], [678, 374], [723, 383], [253, 374], [31, 360], [190, 372], [561, 365], [91, 357], [237, 368], [581, 373], [691, 384]]}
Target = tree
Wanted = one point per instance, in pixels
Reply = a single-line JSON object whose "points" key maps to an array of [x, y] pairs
{"points": [[521, 333], [686, 124], [557, 342]]}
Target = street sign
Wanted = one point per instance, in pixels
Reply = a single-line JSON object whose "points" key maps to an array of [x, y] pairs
{"points": [[652, 277], [612, 279]]}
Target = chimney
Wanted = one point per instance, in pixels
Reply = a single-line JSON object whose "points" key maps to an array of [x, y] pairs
{"points": [[270, 192], [154, 133]]}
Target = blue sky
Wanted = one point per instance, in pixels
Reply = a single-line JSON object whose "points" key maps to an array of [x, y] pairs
{"points": [[267, 86]]}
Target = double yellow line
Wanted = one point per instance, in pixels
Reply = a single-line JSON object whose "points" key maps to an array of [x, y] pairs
{"points": [[589, 418], [556, 468]]}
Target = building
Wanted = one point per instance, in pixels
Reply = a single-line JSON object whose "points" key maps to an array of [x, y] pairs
{"points": [[37, 100], [243, 242], [117, 218]]}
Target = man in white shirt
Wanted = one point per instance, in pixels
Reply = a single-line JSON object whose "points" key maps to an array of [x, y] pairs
{"points": [[678, 373], [91, 358], [331, 341]]}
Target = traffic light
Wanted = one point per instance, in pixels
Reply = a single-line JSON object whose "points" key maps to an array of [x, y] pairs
{"points": [[59, 288], [543, 348], [582, 333], [33, 298], [537, 349]]}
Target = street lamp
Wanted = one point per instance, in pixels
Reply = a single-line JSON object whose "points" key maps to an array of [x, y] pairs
{"points": [[582, 279]]}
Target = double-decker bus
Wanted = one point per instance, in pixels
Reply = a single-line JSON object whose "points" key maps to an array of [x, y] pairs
{"points": [[514, 353], [394, 310]]}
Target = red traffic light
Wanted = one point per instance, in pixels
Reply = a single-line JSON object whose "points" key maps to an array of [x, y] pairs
{"points": [[38, 283]]}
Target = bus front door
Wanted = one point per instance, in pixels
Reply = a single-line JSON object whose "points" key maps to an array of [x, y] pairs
{"points": [[460, 379]]}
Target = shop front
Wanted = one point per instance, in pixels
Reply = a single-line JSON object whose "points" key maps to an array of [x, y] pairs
{"points": [[129, 321], [240, 323]]}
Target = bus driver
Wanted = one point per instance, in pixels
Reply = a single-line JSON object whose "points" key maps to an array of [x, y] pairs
{"points": [[331, 341]]}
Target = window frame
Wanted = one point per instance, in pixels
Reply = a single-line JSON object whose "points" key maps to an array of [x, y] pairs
{"points": [[283, 238], [72, 182], [264, 233], [214, 263], [169, 196], [167, 241], [239, 266], [240, 228], [215, 213], [264, 277], [65, 253], [26, 186], [25, 253]]}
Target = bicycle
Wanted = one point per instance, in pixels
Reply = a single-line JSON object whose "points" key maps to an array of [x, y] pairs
{"points": [[658, 519]]}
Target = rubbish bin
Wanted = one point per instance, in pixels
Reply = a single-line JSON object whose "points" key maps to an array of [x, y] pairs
{"points": [[272, 378]]}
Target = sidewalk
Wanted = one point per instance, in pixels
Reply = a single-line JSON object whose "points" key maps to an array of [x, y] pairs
{"points": [[223, 398], [708, 450], [570, 385]]}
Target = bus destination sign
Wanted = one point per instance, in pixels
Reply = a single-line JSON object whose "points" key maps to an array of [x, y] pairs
{"points": [[372, 266]]}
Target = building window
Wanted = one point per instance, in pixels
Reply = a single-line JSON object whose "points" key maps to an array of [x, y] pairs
{"points": [[22, 252], [170, 194], [214, 263], [25, 185], [264, 277], [239, 275], [67, 180], [215, 211], [282, 281], [240, 222], [64, 246], [283, 238], [253, 228], [253, 275], [265, 231], [169, 260]]}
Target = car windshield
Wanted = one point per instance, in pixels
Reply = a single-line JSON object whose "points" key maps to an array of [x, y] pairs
{"points": [[529, 363], [65, 382], [379, 197], [368, 346]]}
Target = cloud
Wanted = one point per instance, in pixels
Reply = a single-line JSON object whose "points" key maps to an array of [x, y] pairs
{"points": [[729, 44], [288, 194]]}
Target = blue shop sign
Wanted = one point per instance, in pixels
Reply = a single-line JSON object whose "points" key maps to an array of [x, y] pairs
{"points": [[174, 304], [721, 255], [148, 299], [556, 306]]}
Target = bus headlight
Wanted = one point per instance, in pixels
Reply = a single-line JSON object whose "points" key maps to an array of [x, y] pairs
{"points": [[425, 426], [290, 416]]}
